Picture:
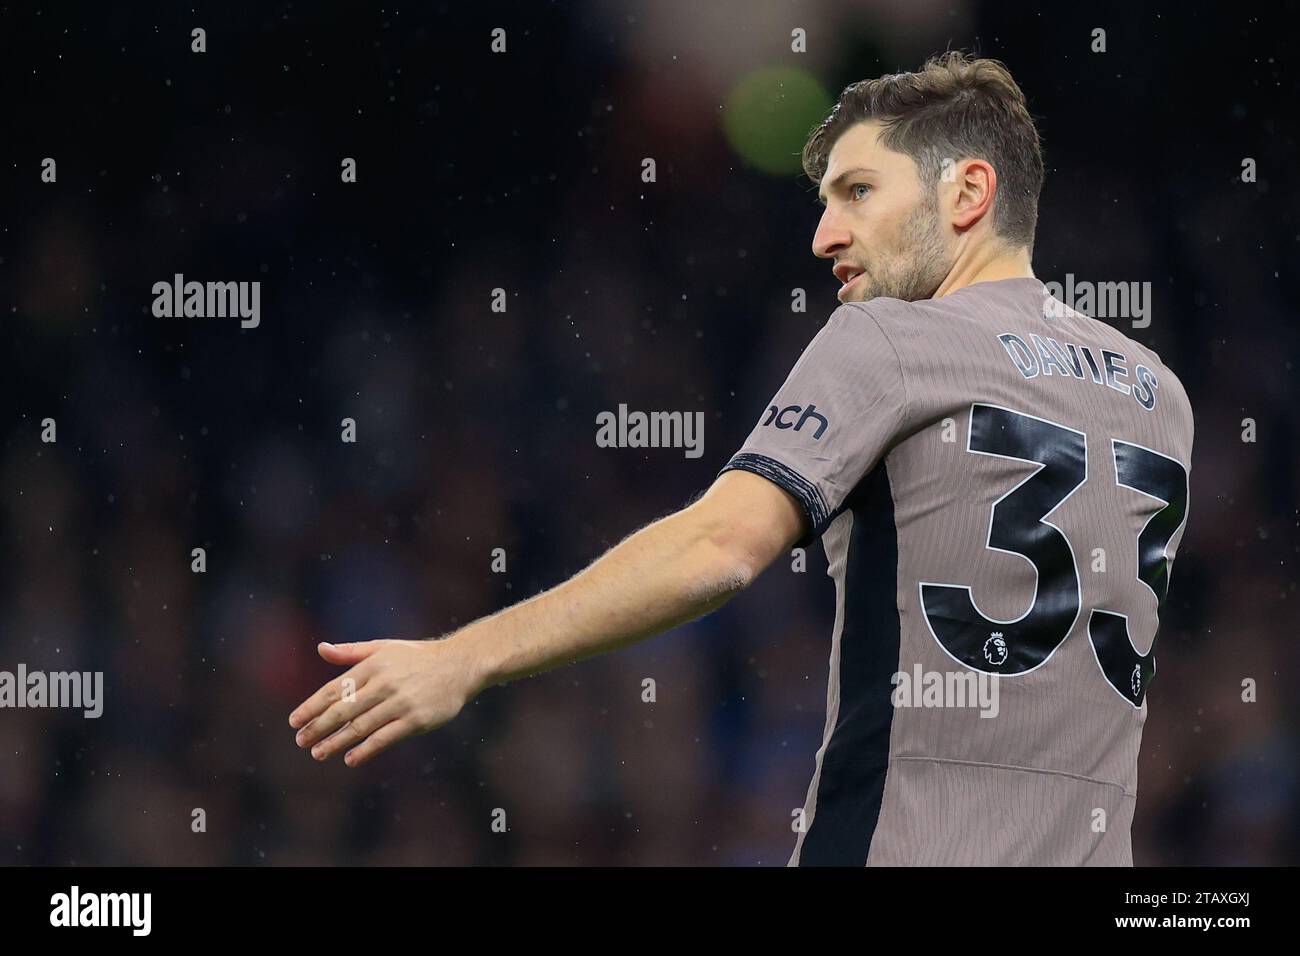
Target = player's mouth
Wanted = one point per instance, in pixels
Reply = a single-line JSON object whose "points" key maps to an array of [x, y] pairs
{"points": [[849, 275]]}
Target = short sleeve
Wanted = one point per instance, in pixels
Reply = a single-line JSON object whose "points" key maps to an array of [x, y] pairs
{"points": [[838, 412]]}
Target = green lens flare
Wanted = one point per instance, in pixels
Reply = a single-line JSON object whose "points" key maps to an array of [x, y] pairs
{"points": [[769, 114]]}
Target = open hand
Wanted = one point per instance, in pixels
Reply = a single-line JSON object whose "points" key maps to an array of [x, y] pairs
{"points": [[394, 690]]}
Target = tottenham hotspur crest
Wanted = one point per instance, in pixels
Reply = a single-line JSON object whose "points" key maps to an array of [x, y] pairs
{"points": [[995, 649]]}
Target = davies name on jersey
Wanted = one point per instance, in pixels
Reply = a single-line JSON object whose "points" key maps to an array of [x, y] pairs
{"points": [[1048, 354]]}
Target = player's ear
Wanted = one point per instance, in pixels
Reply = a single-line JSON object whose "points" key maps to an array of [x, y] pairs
{"points": [[976, 183]]}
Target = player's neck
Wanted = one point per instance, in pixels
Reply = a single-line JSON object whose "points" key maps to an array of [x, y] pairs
{"points": [[988, 265]]}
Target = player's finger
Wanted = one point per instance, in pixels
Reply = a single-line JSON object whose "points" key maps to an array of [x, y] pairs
{"points": [[336, 715], [378, 742], [345, 685], [357, 729], [346, 654]]}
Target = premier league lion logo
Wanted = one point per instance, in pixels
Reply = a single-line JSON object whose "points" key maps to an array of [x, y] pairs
{"points": [[995, 649]]}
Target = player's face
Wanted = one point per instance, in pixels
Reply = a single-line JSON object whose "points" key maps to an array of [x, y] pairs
{"points": [[881, 225]]}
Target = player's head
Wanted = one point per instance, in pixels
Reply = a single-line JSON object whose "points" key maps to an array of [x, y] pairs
{"points": [[919, 169]]}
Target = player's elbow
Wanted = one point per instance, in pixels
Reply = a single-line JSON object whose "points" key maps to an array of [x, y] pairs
{"points": [[738, 528], [717, 575], [733, 572], [734, 554]]}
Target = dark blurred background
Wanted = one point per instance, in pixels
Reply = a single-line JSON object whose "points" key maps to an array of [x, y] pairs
{"points": [[476, 429]]}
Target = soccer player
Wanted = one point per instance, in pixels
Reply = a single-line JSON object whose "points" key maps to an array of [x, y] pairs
{"points": [[1000, 484]]}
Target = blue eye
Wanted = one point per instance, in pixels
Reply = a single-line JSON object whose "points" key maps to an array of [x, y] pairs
{"points": [[856, 187]]}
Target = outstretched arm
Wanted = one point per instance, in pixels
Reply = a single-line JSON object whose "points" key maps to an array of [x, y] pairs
{"points": [[670, 572]]}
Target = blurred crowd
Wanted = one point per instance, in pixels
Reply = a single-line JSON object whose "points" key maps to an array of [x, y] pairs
{"points": [[476, 429]]}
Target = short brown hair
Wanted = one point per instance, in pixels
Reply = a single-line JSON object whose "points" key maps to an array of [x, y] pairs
{"points": [[955, 106]]}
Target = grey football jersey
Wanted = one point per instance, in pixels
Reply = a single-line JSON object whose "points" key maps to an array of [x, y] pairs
{"points": [[1001, 485]]}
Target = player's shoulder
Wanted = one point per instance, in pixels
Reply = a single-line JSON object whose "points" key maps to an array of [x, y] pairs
{"points": [[914, 330], [1172, 394], [909, 333], [968, 308], [858, 314], [1143, 353], [879, 310], [857, 327], [881, 319]]}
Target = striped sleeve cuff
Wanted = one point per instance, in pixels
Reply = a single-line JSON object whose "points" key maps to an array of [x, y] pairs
{"points": [[804, 491]]}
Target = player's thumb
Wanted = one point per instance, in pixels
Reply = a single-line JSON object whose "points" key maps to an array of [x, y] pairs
{"points": [[346, 653]]}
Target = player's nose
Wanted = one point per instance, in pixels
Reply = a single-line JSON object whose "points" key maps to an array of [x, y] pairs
{"points": [[830, 237]]}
